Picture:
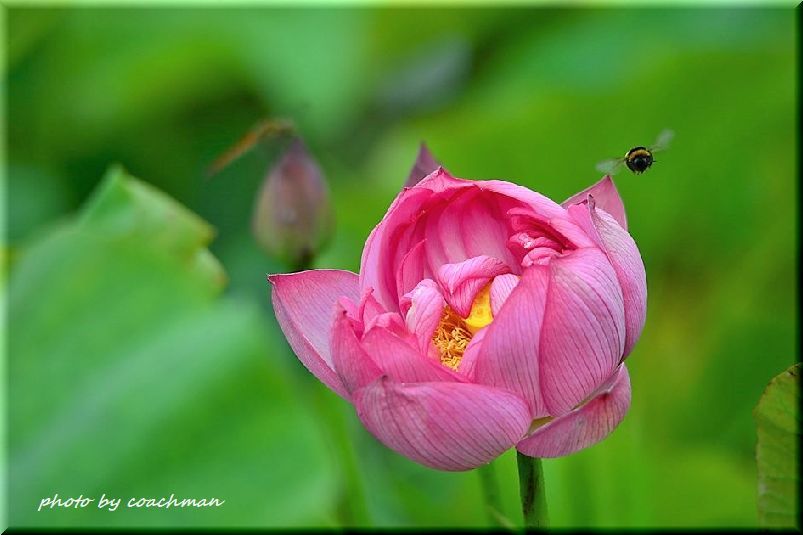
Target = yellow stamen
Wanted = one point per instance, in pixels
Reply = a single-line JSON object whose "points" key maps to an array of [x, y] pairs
{"points": [[451, 338], [454, 333]]}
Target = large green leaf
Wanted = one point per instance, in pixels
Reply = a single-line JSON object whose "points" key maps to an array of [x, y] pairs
{"points": [[778, 426], [133, 210], [129, 376]]}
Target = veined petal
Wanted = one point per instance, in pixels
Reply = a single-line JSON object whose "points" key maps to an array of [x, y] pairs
{"points": [[447, 426], [378, 266], [540, 204], [508, 356], [569, 229], [606, 196], [559, 229], [390, 321], [484, 228], [539, 256], [501, 288], [583, 329], [412, 268], [625, 258], [585, 425], [473, 351], [462, 281], [445, 230], [304, 306], [369, 307], [456, 219], [402, 361], [423, 310], [523, 242], [350, 361]]}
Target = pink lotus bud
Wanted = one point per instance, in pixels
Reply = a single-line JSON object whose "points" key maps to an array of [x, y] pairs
{"points": [[293, 217], [485, 316], [424, 164]]}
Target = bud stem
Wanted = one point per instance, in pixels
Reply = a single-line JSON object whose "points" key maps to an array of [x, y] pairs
{"points": [[533, 494]]}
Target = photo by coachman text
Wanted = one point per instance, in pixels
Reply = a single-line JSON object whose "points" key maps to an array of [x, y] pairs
{"points": [[112, 503]]}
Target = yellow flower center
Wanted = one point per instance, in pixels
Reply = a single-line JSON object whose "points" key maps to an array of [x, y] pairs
{"points": [[454, 333], [480, 314]]}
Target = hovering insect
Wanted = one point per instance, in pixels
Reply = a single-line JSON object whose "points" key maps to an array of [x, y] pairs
{"points": [[264, 129], [637, 159]]}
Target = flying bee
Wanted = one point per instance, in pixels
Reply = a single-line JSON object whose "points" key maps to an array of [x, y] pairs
{"points": [[637, 159]]}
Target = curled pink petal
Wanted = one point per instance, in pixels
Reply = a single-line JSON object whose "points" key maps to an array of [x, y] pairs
{"points": [[624, 256], [606, 196], [457, 219], [560, 230], [568, 228], [462, 281], [523, 242], [585, 425], [423, 309], [402, 361], [484, 232], [536, 202], [539, 256], [382, 253], [369, 307], [445, 239], [390, 321], [583, 328], [350, 361], [304, 306], [412, 269], [501, 287], [447, 426], [509, 354]]}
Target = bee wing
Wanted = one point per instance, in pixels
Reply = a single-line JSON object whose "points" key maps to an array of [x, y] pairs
{"points": [[664, 138], [610, 167]]}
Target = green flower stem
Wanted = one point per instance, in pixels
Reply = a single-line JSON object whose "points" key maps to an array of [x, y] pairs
{"points": [[490, 492], [533, 494]]}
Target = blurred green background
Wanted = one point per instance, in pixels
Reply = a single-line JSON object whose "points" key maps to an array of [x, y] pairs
{"points": [[138, 369]]}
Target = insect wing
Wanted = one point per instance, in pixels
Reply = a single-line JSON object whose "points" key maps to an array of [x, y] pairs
{"points": [[664, 138], [610, 167], [264, 129]]}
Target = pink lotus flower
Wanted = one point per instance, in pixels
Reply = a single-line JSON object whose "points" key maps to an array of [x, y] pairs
{"points": [[485, 316]]}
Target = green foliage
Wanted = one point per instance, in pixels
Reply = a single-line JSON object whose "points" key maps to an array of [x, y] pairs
{"points": [[128, 377], [778, 426], [131, 374]]}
